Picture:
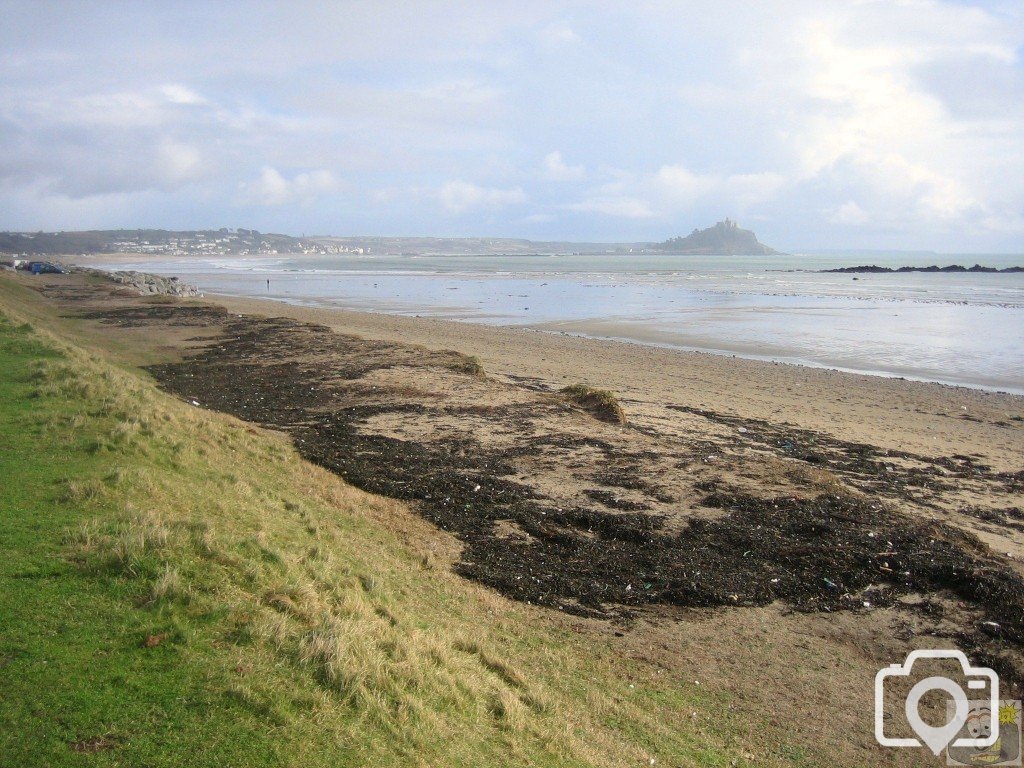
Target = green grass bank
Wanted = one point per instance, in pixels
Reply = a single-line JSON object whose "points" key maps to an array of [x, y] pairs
{"points": [[180, 588]]}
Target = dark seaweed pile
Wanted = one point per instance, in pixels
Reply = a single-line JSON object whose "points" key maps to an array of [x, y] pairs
{"points": [[889, 472], [829, 553]]}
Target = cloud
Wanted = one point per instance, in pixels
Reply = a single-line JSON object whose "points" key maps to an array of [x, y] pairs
{"points": [[558, 34], [849, 214], [912, 111], [749, 189], [465, 91], [617, 206], [674, 189], [462, 196], [177, 162], [273, 189], [539, 218], [679, 187], [180, 94], [864, 123], [556, 169], [82, 145]]}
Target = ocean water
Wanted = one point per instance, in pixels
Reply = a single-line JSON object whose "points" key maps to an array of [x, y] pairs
{"points": [[963, 329]]}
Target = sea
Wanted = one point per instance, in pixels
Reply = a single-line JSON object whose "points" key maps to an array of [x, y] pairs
{"points": [[962, 329]]}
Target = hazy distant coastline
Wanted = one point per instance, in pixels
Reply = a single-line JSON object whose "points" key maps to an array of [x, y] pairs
{"points": [[724, 238]]}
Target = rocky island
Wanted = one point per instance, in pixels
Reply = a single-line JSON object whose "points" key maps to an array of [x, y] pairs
{"points": [[725, 238]]}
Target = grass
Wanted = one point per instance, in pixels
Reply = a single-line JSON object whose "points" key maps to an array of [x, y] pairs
{"points": [[599, 402], [468, 364], [178, 587]]}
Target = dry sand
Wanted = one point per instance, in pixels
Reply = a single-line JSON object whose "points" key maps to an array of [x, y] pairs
{"points": [[895, 453], [892, 413]]}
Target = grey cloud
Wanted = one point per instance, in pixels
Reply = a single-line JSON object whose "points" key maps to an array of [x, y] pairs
{"points": [[853, 118]]}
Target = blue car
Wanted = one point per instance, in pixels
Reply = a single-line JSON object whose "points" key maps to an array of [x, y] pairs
{"points": [[45, 268]]}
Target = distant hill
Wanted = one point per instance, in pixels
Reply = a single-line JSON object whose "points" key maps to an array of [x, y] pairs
{"points": [[725, 238], [246, 242]]}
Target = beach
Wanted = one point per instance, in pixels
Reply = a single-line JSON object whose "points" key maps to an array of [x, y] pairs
{"points": [[570, 385], [749, 525], [895, 413], [953, 328]]}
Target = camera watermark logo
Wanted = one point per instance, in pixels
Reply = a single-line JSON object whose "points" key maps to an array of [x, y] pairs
{"points": [[937, 738]]}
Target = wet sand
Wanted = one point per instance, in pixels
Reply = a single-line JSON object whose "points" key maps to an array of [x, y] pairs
{"points": [[893, 413], [940, 329], [762, 528]]}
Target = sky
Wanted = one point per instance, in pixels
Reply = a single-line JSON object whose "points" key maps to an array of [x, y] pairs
{"points": [[818, 124]]}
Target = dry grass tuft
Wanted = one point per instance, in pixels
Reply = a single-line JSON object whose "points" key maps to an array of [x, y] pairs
{"points": [[599, 402], [142, 534], [468, 364], [82, 491], [160, 298], [168, 586]]}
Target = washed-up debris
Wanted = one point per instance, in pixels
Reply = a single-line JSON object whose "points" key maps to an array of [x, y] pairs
{"points": [[893, 474], [824, 553]]}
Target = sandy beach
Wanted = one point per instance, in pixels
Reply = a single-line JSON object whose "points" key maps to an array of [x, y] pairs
{"points": [[894, 413], [947, 328], [729, 531], [569, 384]]}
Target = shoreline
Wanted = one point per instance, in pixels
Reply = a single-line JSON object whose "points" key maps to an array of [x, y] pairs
{"points": [[996, 389], [921, 338], [860, 407], [772, 481], [592, 329], [610, 330]]}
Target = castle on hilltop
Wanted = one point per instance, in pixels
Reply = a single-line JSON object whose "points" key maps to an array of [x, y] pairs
{"points": [[724, 238]]}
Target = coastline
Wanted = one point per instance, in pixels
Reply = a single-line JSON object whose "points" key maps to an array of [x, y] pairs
{"points": [[629, 331], [724, 467], [602, 331], [965, 338], [896, 413]]}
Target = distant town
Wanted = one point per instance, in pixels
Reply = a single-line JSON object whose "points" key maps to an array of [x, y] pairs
{"points": [[250, 242], [219, 242]]}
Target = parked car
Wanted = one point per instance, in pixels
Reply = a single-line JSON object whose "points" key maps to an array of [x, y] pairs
{"points": [[45, 268]]}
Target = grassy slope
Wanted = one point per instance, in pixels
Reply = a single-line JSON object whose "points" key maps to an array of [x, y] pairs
{"points": [[290, 618]]}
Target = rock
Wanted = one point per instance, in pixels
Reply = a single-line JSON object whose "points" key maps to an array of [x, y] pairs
{"points": [[146, 283]]}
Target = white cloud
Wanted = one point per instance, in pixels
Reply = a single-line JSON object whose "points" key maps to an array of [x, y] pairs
{"points": [[679, 187], [864, 124], [849, 214], [177, 162], [675, 189], [100, 143], [462, 196], [272, 189], [558, 34], [749, 189], [619, 206], [465, 91], [556, 169], [180, 94], [539, 218]]}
